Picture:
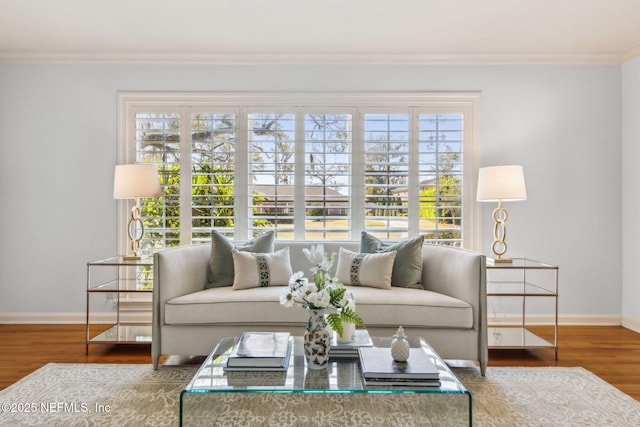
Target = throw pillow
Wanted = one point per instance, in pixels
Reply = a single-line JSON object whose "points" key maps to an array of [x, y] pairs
{"points": [[372, 270], [407, 269], [220, 271], [253, 270]]}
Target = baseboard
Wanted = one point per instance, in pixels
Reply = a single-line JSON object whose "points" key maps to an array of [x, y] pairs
{"points": [[631, 323], [145, 316], [72, 318]]}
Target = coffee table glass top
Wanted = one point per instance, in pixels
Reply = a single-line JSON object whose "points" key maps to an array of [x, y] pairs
{"points": [[341, 375]]}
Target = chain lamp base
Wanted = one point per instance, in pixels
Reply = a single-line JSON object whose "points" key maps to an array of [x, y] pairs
{"points": [[499, 246], [136, 231]]}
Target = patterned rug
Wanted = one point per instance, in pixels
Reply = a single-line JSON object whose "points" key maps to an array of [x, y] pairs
{"points": [[135, 395]]}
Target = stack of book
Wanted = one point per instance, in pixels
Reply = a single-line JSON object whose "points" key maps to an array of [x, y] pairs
{"points": [[261, 351], [349, 350], [379, 368]]}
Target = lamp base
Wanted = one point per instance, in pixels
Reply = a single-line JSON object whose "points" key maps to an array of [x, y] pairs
{"points": [[131, 257], [501, 260]]}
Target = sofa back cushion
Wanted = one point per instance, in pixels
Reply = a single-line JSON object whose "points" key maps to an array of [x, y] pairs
{"points": [[220, 270], [407, 269], [371, 270], [252, 270]]}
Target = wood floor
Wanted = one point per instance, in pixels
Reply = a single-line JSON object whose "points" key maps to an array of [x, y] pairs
{"points": [[612, 353]]}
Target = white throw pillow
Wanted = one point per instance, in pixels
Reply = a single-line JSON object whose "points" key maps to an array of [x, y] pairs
{"points": [[253, 270], [373, 270]]}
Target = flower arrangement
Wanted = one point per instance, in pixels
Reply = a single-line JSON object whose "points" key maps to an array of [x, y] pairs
{"points": [[325, 292]]}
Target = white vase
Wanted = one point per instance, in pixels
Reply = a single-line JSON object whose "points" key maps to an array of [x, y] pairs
{"points": [[348, 329], [317, 341]]}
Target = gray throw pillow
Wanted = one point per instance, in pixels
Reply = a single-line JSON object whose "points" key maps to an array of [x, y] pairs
{"points": [[220, 272], [407, 267]]}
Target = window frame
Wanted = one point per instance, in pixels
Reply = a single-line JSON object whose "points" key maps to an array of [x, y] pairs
{"points": [[242, 103]]}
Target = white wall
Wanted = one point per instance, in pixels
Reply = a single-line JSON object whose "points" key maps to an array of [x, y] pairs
{"points": [[58, 141], [631, 193]]}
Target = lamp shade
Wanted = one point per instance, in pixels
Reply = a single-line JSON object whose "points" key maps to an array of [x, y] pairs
{"points": [[504, 183], [133, 181]]}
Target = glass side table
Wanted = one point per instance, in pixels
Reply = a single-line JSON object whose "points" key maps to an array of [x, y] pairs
{"points": [[525, 283], [119, 296]]}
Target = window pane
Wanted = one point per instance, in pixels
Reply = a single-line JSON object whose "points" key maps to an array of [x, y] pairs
{"points": [[440, 142], [386, 166], [158, 141], [327, 166], [294, 168], [212, 178], [271, 168]]}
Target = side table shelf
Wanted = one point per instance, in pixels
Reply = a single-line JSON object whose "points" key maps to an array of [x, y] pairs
{"points": [[119, 301], [521, 282]]}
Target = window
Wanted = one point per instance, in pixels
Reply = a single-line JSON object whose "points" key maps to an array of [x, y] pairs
{"points": [[309, 166]]}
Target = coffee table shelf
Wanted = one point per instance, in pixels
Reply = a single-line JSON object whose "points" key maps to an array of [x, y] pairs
{"points": [[124, 333]]}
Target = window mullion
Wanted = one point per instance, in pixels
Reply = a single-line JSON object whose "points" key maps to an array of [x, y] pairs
{"points": [[414, 174], [185, 176], [357, 176], [242, 184], [299, 228]]}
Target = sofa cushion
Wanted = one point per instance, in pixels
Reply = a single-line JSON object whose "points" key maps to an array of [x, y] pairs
{"points": [[407, 269], [411, 308], [252, 270], [225, 306], [377, 307], [220, 270], [373, 270]]}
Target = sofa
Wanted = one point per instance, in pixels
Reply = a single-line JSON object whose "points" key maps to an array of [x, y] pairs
{"points": [[448, 308]]}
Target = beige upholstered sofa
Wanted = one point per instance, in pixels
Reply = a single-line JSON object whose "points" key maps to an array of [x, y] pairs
{"points": [[450, 312]]}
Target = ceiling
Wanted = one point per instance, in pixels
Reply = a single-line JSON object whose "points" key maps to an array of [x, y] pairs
{"points": [[320, 31]]}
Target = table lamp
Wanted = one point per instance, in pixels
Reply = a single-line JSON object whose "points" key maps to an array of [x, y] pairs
{"points": [[133, 182], [501, 184]]}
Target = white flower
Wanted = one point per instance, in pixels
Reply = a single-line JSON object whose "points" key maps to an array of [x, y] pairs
{"points": [[307, 289], [319, 299], [287, 299], [297, 280], [315, 255], [325, 264], [332, 282]]}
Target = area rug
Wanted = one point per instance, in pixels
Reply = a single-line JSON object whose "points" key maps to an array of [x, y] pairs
{"points": [[136, 395]]}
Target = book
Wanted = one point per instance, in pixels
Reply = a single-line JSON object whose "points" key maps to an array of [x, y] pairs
{"points": [[402, 383], [261, 350], [349, 350], [360, 339], [377, 364], [247, 378]]}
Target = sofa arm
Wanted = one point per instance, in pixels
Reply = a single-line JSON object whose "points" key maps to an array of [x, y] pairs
{"points": [[456, 272], [461, 274], [176, 272]]}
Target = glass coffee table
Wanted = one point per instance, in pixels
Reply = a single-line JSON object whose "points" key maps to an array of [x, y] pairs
{"points": [[214, 392]]}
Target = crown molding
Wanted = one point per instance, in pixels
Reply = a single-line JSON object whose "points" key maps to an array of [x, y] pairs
{"points": [[314, 59], [631, 53]]}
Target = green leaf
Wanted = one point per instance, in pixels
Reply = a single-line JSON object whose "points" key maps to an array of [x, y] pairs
{"points": [[337, 295], [349, 316], [334, 320]]}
